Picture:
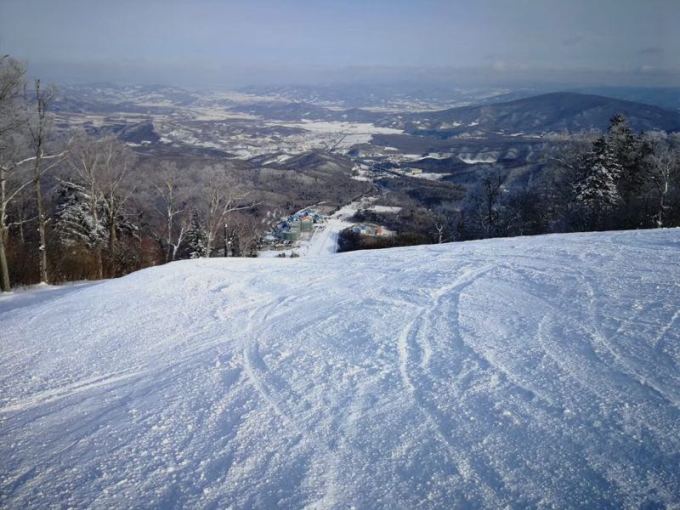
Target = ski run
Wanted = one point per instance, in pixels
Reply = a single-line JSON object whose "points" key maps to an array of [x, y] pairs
{"points": [[511, 373]]}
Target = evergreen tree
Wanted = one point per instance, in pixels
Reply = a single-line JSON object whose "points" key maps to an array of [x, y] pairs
{"points": [[196, 239], [75, 223], [630, 150], [596, 188]]}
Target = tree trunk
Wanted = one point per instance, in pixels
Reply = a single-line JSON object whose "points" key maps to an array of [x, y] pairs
{"points": [[22, 237], [98, 246], [112, 243], [4, 268], [170, 248], [99, 262], [42, 248], [662, 203], [235, 243], [38, 141]]}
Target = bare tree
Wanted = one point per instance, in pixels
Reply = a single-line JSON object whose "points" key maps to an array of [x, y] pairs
{"points": [[664, 167], [221, 198], [101, 168], [11, 82], [85, 160], [12, 75], [39, 127], [439, 229], [241, 235], [490, 192], [172, 208], [117, 163], [13, 181]]}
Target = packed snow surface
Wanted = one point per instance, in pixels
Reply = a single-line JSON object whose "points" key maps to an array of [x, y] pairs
{"points": [[528, 372], [325, 240]]}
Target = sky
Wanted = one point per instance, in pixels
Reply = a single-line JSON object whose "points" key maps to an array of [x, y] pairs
{"points": [[225, 42]]}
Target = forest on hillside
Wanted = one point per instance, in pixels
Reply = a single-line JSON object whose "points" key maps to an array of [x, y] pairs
{"points": [[79, 205], [612, 181]]}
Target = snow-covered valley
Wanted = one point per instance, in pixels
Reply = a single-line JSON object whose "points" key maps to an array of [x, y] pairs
{"points": [[525, 372]]}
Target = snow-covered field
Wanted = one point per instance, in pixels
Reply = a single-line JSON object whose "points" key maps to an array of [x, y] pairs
{"points": [[352, 133], [528, 372]]}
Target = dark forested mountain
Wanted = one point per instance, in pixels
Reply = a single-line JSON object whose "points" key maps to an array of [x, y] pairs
{"points": [[664, 97], [554, 112], [140, 133]]}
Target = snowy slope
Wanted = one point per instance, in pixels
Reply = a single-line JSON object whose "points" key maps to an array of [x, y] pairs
{"points": [[325, 241], [526, 372]]}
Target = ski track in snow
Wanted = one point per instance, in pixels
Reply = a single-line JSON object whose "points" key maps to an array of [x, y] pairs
{"points": [[526, 372]]}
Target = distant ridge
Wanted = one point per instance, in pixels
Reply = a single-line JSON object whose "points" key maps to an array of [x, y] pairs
{"points": [[553, 112]]}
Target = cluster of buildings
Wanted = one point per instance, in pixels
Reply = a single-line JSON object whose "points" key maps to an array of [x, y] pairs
{"points": [[291, 228], [371, 230]]}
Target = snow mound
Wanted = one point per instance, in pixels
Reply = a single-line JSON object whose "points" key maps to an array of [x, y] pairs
{"points": [[528, 372]]}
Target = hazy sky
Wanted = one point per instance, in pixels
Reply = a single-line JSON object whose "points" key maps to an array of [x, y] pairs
{"points": [[234, 42]]}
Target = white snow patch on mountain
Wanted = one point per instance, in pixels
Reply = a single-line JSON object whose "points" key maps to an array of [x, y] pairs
{"points": [[473, 160], [385, 209], [527, 372], [352, 133]]}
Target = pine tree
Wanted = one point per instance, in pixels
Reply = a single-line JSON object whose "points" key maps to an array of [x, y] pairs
{"points": [[629, 151], [196, 239], [596, 189], [75, 223]]}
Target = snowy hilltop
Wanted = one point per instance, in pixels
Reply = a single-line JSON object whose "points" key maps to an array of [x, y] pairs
{"points": [[526, 372]]}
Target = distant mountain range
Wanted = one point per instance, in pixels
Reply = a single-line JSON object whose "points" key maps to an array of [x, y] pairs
{"points": [[546, 113], [132, 112], [554, 112], [665, 97]]}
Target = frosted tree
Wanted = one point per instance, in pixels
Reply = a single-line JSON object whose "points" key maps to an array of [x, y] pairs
{"points": [[86, 162], [196, 238], [596, 188], [39, 129], [23, 138], [170, 204], [115, 188], [487, 205], [663, 173], [629, 150], [11, 183], [75, 221], [99, 168], [220, 198]]}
